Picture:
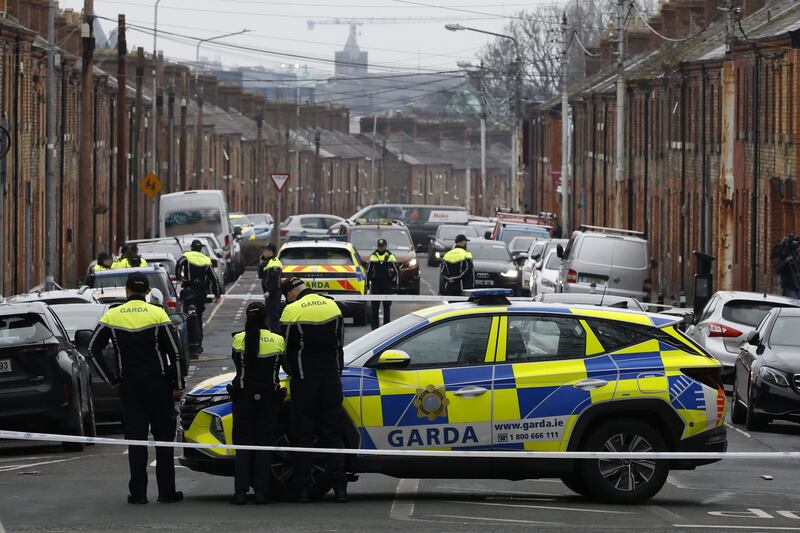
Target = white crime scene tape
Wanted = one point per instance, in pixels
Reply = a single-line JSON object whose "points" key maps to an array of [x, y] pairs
{"points": [[510, 454]]}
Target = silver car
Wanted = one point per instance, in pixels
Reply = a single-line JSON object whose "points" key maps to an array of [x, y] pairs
{"points": [[538, 250], [544, 277], [727, 319], [299, 226], [606, 261]]}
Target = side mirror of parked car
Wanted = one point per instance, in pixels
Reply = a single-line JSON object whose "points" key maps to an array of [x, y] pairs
{"points": [[520, 259], [418, 248], [560, 251], [237, 231], [218, 252], [753, 338], [393, 359], [83, 337]]}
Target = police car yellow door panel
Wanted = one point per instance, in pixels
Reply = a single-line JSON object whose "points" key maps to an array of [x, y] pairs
{"points": [[442, 400]]}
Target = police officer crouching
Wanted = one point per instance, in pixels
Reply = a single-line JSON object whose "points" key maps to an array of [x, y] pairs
{"points": [[457, 270], [149, 379], [269, 271], [382, 276], [257, 397], [195, 272], [314, 329]]}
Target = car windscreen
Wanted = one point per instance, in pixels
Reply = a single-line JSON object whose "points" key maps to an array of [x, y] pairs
{"points": [[23, 328], [315, 255], [166, 247], [181, 220], [748, 312], [521, 244], [76, 317], [490, 252], [786, 331], [167, 262], [112, 279], [377, 337], [261, 220], [365, 239], [449, 233], [509, 232], [553, 262], [239, 220]]}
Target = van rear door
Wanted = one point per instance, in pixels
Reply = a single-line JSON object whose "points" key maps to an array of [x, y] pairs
{"points": [[629, 269]]}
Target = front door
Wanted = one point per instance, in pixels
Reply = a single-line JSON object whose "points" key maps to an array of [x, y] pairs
{"points": [[443, 399]]}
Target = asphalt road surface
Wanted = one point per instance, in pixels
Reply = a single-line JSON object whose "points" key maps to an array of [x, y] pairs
{"points": [[45, 489]]}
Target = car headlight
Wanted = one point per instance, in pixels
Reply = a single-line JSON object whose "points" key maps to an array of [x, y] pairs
{"points": [[217, 429], [411, 264], [438, 255], [775, 377], [511, 273], [547, 283]]}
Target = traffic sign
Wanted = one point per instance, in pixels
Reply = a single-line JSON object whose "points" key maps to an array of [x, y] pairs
{"points": [[150, 185], [280, 180]]}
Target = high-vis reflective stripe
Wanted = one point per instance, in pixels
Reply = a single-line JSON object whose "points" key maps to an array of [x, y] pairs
{"points": [[456, 255], [99, 268], [135, 315], [299, 269], [273, 263], [311, 309], [386, 257], [124, 263], [269, 343], [197, 258]]}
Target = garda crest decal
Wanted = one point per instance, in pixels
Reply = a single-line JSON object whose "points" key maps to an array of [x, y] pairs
{"points": [[431, 402]]}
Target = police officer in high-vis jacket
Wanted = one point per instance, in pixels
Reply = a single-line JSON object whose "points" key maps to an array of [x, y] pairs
{"points": [[314, 331], [195, 271], [130, 258], [457, 271], [148, 375], [256, 396], [269, 271], [382, 276]]}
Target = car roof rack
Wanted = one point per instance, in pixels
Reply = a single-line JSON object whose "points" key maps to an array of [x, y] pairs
{"points": [[489, 296], [612, 231]]}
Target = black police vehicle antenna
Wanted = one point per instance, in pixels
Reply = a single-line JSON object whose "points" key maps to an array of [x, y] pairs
{"points": [[603, 296]]}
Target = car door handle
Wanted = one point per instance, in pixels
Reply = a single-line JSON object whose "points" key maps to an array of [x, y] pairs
{"points": [[591, 384], [470, 392]]}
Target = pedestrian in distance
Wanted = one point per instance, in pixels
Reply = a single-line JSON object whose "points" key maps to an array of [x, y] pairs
{"points": [[104, 262], [382, 278], [130, 258], [457, 271], [257, 396], [788, 267], [314, 333], [269, 271], [195, 272], [149, 378]]}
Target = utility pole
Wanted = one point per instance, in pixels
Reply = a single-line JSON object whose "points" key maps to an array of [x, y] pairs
{"points": [[137, 128], [154, 120], [517, 102], [565, 182], [85, 210], [50, 160], [182, 139], [257, 168], [170, 141], [467, 176], [726, 221], [122, 134], [619, 157], [317, 172]]}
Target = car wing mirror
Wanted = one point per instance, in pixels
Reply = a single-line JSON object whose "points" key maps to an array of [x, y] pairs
{"points": [[560, 251], [418, 247], [393, 359], [218, 252], [83, 337], [753, 338]]}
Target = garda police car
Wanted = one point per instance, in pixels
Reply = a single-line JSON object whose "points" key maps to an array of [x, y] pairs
{"points": [[330, 267], [491, 375]]}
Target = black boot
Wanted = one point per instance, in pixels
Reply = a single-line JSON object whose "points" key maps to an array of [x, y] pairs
{"points": [[137, 500], [239, 498], [261, 498], [340, 495], [175, 497]]}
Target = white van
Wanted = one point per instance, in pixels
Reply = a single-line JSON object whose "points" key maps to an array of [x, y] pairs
{"points": [[200, 211]]}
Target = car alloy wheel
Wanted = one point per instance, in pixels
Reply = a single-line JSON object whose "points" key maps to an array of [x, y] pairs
{"points": [[283, 466], [738, 411], [627, 474]]}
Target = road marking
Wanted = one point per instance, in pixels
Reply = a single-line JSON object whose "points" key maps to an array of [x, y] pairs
{"points": [[221, 301], [746, 434], [427, 285], [488, 519], [727, 495], [2, 529], [402, 510], [665, 514], [12, 459], [224, 368], [723, 527], [673, 481], [11, 468], [550, 507]]}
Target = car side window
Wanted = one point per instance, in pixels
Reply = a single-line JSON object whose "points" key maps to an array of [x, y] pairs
{"points": [[544, 338], [616, 336], [709, 310], [60, 331], [311, 223], [457, 342]]}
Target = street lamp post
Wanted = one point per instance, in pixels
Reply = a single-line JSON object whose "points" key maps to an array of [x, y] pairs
{"points": [[517, 67]]}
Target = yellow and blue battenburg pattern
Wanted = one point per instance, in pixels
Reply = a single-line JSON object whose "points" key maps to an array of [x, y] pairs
{"points": [[524, 406]]}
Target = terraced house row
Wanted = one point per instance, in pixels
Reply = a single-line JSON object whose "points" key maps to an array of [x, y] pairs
{"points": [[702, 171]]}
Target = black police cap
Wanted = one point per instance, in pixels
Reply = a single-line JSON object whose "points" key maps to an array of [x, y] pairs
{"points": [[381, 242], [270, 247], [197, 245], [137, 283], [461, 238]]}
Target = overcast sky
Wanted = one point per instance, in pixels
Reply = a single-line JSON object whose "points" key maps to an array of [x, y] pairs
{"points": [[281, 27]]}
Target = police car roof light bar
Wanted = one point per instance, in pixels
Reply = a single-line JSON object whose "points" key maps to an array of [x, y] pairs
{"points": [[602, 229], [489, 296]]}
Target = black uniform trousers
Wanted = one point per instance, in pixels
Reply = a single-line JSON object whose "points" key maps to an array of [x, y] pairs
{"points": [[381, 287], [273, 304], [191, 296], [253, 423], [316, 409], [149, 407]]}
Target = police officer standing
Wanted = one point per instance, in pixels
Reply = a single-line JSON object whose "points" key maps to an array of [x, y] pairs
{"points": [[130, 258], [256, 396], [149, 378], [314, 331], [457, 270], [269, 271], [382, 276], [194, 270]]}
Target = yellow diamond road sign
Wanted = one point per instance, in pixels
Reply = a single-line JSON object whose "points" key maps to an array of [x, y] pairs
{"points": [[150, 185]]}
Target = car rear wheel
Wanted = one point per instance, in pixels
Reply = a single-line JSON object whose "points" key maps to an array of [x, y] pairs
{"points": [[738, 411], [624, 481], [78, 429], [754, 421], [283, 466], [89, 423]]}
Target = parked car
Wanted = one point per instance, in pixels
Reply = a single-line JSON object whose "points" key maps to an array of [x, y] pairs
{"points": [[494, 267], [60, 296], [77, 317], [538, 250], [607, 260], [510, 225], [727, 318], [262, 225], [299, 226], [767, 371], [166, 260], [519, 245], [599, 300], [197, 211], [364, 238], [45, 382], [544, 277], [444, 239], [109, 285], [421, 220]]}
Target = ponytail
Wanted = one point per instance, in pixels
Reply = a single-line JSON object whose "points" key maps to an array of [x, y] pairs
{"points": [[256, 314]]}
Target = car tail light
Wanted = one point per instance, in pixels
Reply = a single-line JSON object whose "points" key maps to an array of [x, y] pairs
{"points": [[284, 232], [647, 286], [721, 330], [572, 276], [227, 240], [171, 303]]}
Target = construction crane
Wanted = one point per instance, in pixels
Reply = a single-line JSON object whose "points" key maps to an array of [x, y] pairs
{"points": [[355, 22]]}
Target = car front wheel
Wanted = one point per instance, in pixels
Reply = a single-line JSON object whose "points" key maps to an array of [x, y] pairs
{"points": [[624, 481], [283, 466], [754, 421], [738, 411]]}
